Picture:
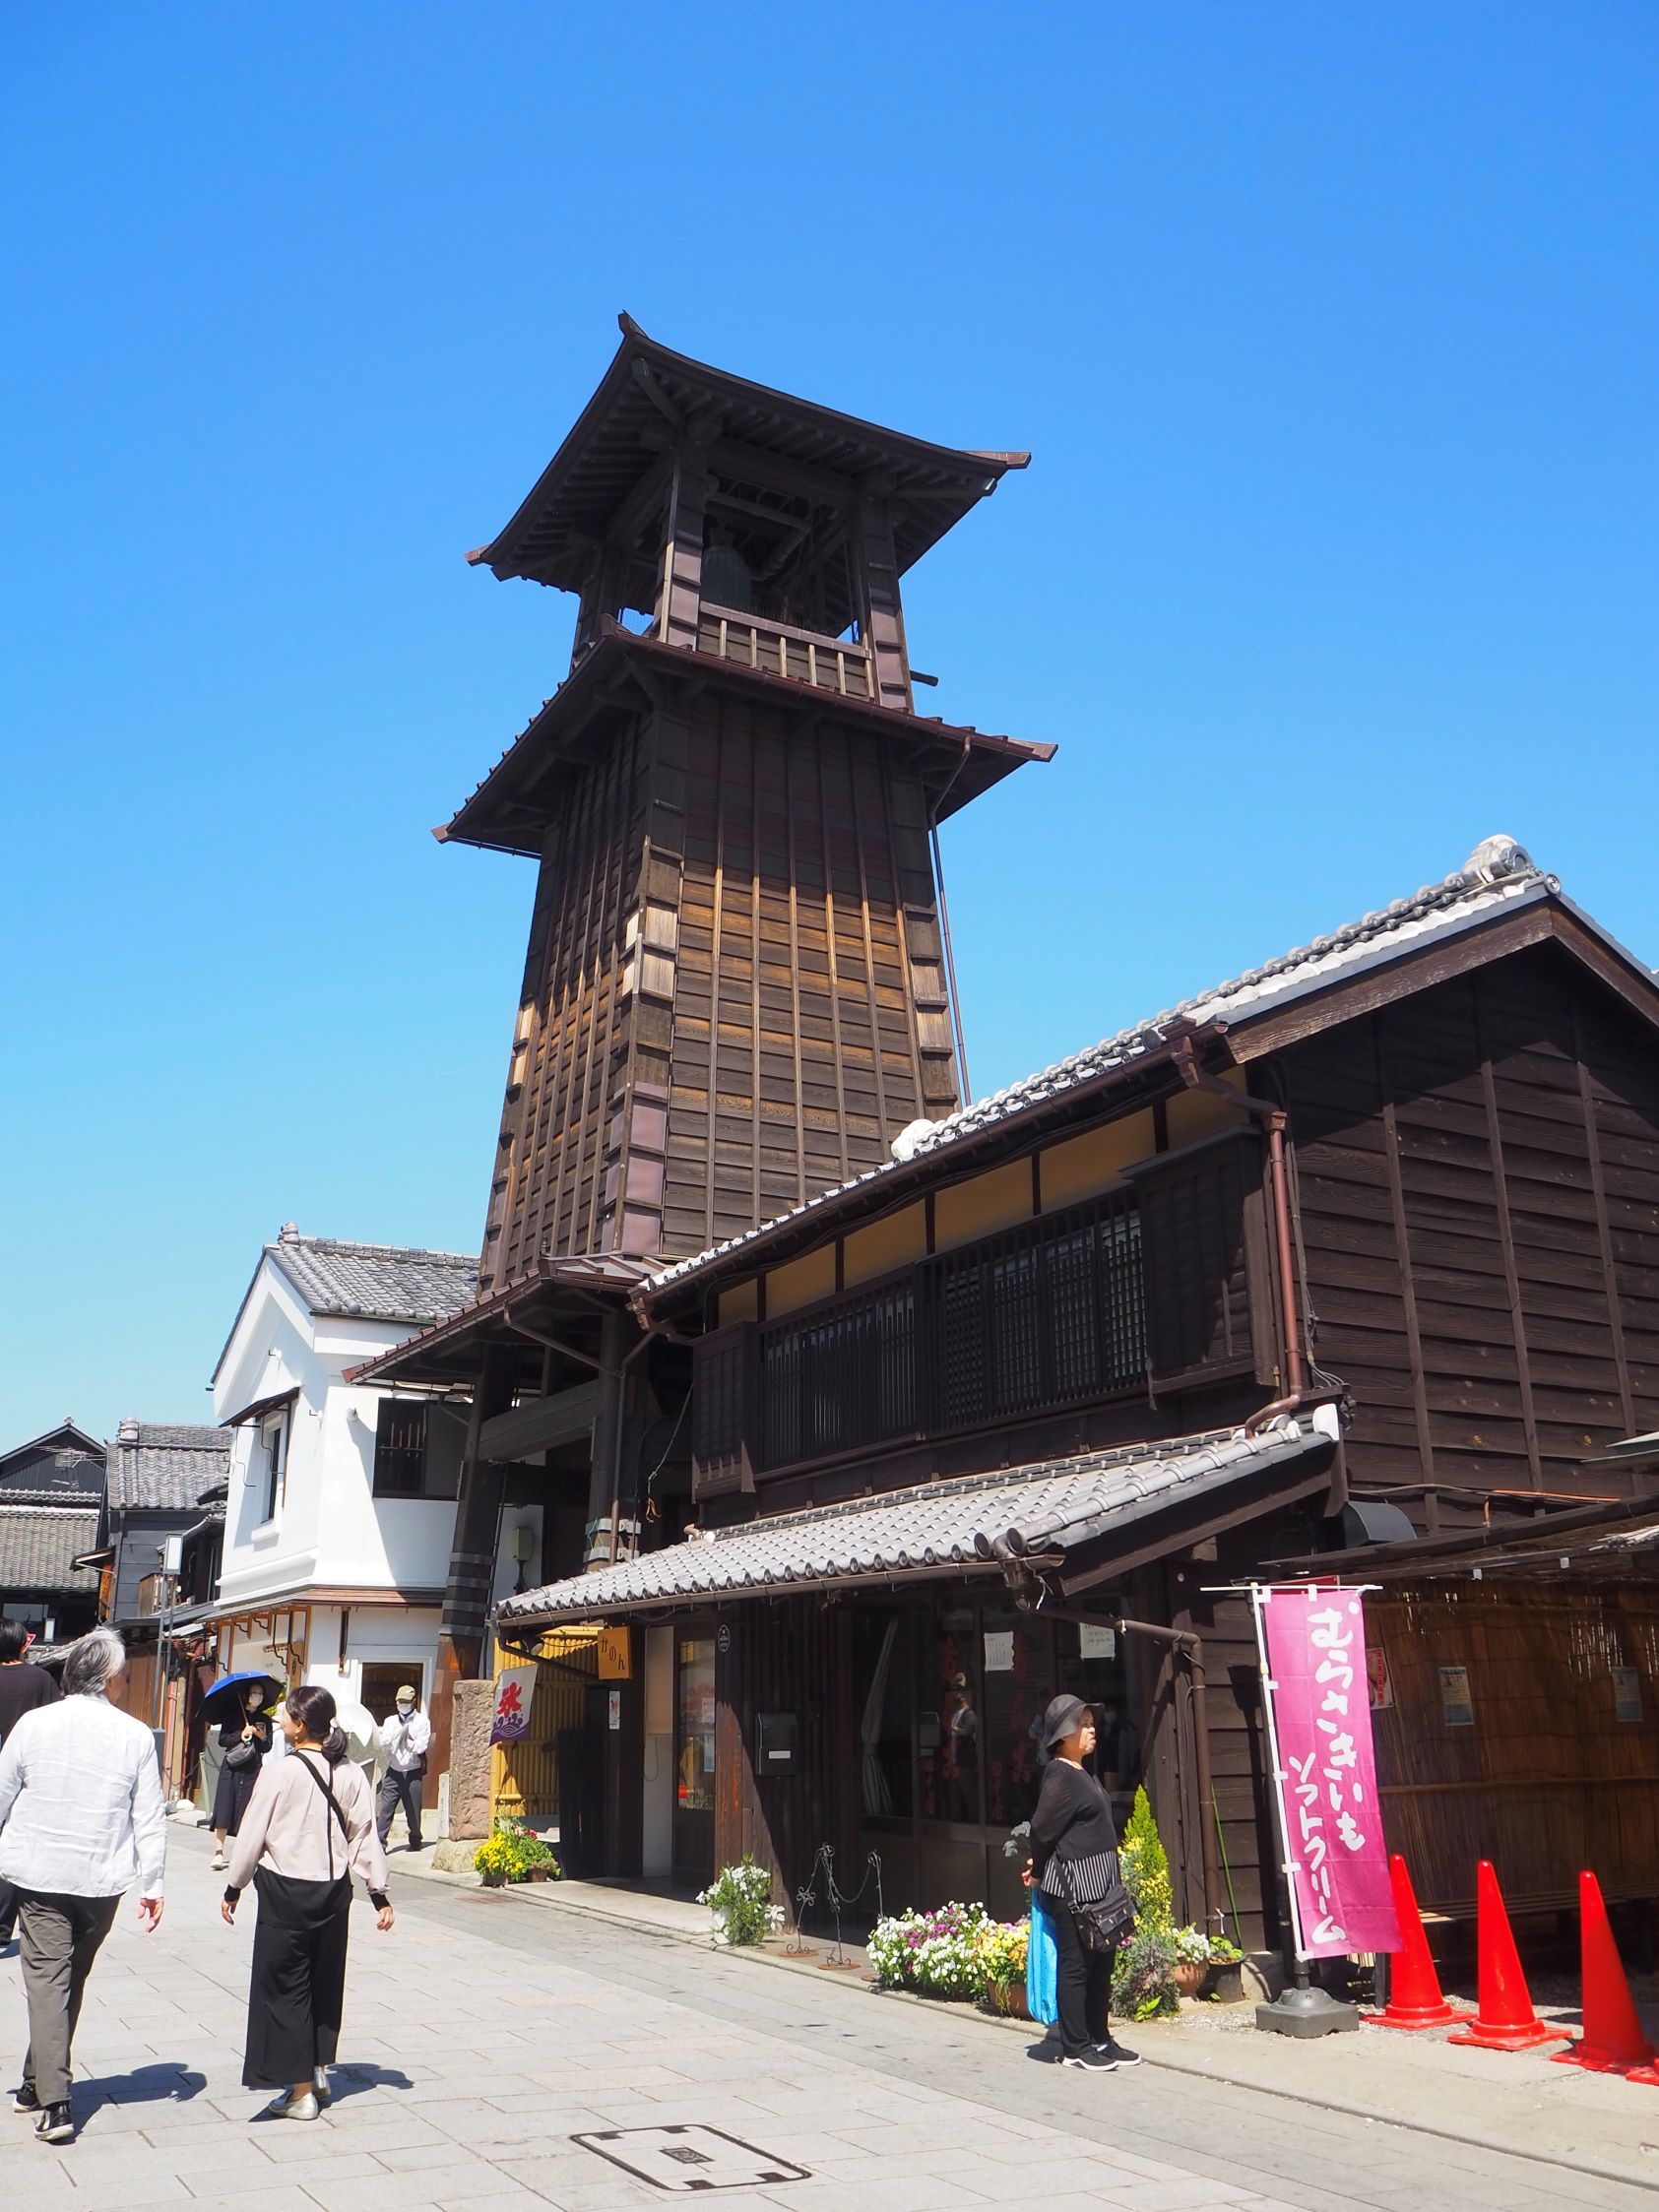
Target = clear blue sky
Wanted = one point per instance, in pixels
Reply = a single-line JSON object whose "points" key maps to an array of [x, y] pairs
{"points": [[1332, 331]]}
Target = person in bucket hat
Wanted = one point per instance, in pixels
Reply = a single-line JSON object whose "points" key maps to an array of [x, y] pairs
{"points": [[1074, 1863]]}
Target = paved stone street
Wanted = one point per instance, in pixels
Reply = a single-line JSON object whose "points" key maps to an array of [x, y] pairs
{"points": [[483, 2035]]}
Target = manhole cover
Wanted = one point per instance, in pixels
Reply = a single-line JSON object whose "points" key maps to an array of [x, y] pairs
{"points": [[690, 2158]]}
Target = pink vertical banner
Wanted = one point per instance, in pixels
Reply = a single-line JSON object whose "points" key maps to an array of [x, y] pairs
{"points": [[1317, 1689]]}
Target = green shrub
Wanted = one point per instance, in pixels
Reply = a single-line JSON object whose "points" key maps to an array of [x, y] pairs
{"points": [[1146, 1867], [1143, 1986]]}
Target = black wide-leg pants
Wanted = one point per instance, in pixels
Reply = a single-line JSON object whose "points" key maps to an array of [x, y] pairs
{"points": [[1082, 1983], [298, 1987]]}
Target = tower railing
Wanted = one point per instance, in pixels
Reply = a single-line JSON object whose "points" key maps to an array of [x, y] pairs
{"points": [[839, 664]]}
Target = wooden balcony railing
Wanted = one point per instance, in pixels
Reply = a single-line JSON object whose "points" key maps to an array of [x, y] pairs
{"points": [[827, 663]]}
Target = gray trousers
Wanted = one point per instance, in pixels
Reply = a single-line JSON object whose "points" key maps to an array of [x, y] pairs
{"points": [[397, 1788], [61, 1937]]}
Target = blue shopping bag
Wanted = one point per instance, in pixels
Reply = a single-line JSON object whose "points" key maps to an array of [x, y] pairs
{"points": [[1040, 1963]]}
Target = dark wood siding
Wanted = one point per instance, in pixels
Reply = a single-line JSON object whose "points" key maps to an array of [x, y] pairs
{"points": [[1479, 1200], [789, 1657], [733, 994], [810, 1021], [1205, 1280]]}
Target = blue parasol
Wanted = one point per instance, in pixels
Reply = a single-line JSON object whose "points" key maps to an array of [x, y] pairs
{"points": [[242, 1683]]}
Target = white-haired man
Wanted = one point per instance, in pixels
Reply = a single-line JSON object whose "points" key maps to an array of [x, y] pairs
{"points": [[80, 1818]]}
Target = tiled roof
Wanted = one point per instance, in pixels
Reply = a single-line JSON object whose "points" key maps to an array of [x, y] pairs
{"points": [[159, 1466], [67, 1437], [581, 1271], [960, 1523], [1499, 873], [37, 1542], [374, 1282]]}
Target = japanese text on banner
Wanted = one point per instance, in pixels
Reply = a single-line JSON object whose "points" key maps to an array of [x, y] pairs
{"points": [[1316, 1641]]}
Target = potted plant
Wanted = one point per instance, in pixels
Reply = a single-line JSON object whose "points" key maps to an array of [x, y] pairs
{"points": [[513, 1855], [1000, 1953], [1225, 1981], [741, 1900], [1191, 1960]]}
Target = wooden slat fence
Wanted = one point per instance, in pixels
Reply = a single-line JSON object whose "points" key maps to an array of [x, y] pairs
{"points": [[1546, 1779], [523, 1776]]}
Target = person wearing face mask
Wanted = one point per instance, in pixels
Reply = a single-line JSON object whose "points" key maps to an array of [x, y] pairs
{"points": [[404, 1738], [244, 1739]]}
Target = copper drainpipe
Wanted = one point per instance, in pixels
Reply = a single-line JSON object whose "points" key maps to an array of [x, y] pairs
{"points": [[1277, 1121]]}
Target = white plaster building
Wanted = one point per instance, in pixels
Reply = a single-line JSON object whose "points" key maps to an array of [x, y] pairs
{"points": [[342, 1499]]}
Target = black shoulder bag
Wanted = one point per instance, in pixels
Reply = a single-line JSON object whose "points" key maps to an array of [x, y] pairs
{"points": [[1105, 1923]]}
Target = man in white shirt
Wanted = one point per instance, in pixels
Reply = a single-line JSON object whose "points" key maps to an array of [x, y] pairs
{"points": [[404, 1738], [80, 1818]]}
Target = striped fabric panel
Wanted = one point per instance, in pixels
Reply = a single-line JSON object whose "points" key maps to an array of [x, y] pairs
{"points": [[1081, 1881]]}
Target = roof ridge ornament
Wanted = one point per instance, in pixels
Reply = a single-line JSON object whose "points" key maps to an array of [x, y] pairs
{"points": [[1496, 857]]}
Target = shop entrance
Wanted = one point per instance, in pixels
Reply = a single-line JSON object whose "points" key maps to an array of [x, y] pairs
{"points": [[694, 1737], [949, 1698]]}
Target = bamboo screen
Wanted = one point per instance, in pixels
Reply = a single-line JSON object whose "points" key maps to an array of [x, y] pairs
{"points": [[523, 1776], [1557, 1767]]}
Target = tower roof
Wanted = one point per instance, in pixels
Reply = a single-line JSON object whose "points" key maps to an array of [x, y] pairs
{"points": [[648, 395], [510, 809]]}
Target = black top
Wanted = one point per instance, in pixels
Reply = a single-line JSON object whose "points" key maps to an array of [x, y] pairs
{"points": [[23, 1687], [231, 1732], [1073, 1817]]}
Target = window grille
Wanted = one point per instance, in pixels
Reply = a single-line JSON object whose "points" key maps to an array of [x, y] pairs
{"points": [[1046, 1314], [399, 1447]]}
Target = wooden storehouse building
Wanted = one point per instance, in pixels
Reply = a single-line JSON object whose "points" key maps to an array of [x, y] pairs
{"points": [[1362, 1249], [864, 1417]]}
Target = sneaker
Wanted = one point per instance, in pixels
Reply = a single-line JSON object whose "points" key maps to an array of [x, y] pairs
{"points": [[323, 2092], [1092, 2060], [287, 2106], [1115, 2055], [24, 2099], [56, 2125], [219, 1863]]}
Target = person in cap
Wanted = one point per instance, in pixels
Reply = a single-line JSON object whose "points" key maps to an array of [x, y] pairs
{"points": [[1074, 1863], [405, 1735]]}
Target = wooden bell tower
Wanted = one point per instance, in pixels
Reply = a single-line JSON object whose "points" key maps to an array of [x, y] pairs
{"points": [[735, 994]]}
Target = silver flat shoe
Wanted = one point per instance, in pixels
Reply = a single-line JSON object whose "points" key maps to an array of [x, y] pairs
{"points": [[287, 2106]]}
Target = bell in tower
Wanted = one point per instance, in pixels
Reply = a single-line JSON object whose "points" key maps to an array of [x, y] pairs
{"points": [[734, 996]]}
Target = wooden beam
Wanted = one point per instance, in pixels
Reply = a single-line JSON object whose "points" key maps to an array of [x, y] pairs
{"points": [[1506, 1244], [1604, 1231]]}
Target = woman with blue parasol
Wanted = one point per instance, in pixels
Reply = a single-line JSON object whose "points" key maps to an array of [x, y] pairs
{"points": [[241, 1704]]}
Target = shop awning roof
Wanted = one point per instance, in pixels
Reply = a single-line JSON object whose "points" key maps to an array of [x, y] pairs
{"points": [[981, 1523]]}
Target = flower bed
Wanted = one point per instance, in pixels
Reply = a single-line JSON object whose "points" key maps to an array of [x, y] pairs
{"points": [[935, 1954]]}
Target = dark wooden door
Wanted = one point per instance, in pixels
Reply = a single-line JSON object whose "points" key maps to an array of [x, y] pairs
{"points": [[694, 1744]]}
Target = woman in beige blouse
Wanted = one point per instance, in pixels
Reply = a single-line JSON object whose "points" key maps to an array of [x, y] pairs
{"points": [[309, 1825]]}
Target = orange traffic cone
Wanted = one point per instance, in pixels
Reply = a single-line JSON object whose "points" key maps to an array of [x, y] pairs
{"points": [[1505, 2020], [1613, 2041], [1414, 1988]]}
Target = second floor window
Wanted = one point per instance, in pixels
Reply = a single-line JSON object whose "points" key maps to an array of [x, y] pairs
{"points": [[400, 1448], [271, 1470]]}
